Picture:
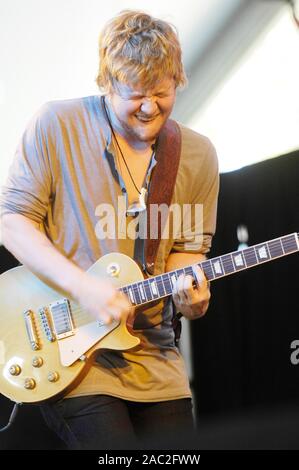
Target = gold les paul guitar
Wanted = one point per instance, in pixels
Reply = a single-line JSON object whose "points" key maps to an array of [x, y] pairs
{"points": [[46, 340]]}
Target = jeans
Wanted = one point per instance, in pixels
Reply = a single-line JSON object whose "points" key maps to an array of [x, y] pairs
{"points": [[105, 422]]}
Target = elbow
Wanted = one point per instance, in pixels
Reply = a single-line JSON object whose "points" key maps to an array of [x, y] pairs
{"points": [[18, 232], [6, 230]]}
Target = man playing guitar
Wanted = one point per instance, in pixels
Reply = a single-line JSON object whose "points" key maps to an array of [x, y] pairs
{"points": [[76, 161]]}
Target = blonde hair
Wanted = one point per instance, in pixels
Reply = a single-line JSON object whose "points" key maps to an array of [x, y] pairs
{"points": [[136, 48]]}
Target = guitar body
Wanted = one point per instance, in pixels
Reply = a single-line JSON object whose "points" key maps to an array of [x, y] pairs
{"points": [[35, 371]]}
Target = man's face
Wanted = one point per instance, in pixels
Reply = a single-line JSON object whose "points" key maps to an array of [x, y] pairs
{"points": [[138, 115]]}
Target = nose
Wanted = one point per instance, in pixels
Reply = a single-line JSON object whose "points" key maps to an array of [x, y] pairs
{"points": [[149, 106]]}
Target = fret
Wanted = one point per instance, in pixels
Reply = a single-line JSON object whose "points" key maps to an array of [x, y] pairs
{"points": [[262, 252], [154, 287], [250, 256], [222, 265], [131, 295], [189, 271], [148, 291], [275, 248], [167, 283], [160, 285], [207, 269], [124, 290], [238, 260], [289, 243], [173, 279], [228, 265], [179, 272], [142, 292], [217, 267], [136, 293]]}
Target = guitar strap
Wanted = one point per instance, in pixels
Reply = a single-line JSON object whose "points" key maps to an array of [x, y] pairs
{"points": [[163, 178]]}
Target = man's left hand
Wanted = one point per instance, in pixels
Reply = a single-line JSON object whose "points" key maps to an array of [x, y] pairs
{"points": [[192, 301]]}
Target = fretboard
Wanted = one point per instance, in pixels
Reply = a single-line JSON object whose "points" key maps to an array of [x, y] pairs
{"points": [[161, 286]]}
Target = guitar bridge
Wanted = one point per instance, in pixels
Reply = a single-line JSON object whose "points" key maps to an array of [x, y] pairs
{"points": [[31, 329], [46, 323]]}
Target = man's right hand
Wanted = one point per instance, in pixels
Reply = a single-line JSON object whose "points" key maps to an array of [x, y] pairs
{"points": [[101, 299]]}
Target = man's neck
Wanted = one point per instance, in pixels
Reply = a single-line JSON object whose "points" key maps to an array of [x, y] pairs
{"points": [[139, 149]]}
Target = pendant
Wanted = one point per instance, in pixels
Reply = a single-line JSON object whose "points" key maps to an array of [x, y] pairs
{"points": [[139, 206]]}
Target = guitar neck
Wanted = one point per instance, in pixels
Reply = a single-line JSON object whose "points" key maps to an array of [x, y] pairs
{"points": [[161, 286]]}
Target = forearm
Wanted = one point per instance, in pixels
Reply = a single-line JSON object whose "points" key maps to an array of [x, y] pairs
{"points": [[31, 247], [181, 260]]}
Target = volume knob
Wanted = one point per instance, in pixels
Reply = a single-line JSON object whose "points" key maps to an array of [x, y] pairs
{"points": [[29, 384], [15, 369], [37, 361], [53, 376]]}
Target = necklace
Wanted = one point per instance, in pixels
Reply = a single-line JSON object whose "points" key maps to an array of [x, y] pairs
{"points": [[118, 146], [135, 207]]}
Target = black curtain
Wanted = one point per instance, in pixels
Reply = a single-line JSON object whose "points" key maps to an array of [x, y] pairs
{"points": [[241, 348]]}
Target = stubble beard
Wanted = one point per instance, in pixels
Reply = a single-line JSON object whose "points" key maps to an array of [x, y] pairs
{"points": [[142, 134]]}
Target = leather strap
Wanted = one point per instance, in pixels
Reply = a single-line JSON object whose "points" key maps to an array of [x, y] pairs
{"points": [[163, 178]]}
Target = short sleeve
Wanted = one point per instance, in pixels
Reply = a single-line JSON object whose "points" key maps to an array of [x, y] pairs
{"points": [[198, 222], [27, 190]]}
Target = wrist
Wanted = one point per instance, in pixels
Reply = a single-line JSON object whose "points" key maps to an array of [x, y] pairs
{"points": [[75, 282]]}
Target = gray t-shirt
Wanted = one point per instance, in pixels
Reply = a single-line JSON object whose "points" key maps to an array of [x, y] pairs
{"points": [[65, 178]]}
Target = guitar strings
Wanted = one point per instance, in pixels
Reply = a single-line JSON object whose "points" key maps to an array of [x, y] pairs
{"points": [[250, 255]]}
